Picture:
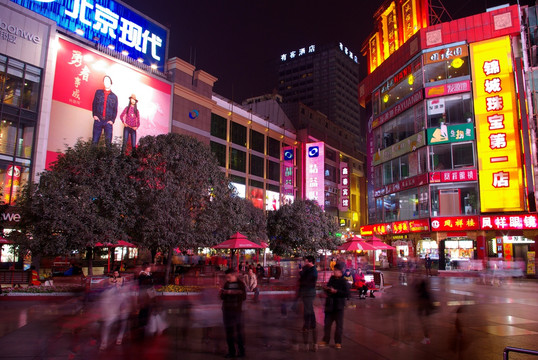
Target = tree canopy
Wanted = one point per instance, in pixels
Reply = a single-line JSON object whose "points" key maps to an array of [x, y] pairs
{"points": [[301, 228]]}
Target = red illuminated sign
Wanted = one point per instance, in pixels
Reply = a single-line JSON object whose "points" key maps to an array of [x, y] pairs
{"points": [[509, 222], [367, 230], [400, 227], [453, 176], [412, 182], [416, 226], [448, 89], [455, 223]]}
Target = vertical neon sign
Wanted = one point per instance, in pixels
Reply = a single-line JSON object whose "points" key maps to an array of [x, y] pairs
{"points": [[314, 170]]}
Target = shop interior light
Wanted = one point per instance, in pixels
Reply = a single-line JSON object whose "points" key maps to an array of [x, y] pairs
{"points": [[457, 63], [411, 79], [386, 98]]}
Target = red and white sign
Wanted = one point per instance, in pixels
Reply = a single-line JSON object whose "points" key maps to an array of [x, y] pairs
{"points": [[421, 225], [377, 229], [412, 182], [453, 176], [400, 227], [509, 222], [455, 223], [448, 89]]}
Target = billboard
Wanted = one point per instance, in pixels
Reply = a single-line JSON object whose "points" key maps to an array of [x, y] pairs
{"points": [[497, 129], [314, 178], [109, 23], [82, 106]]}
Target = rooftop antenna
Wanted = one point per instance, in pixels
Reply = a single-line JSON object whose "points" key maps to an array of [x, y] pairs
{"points": [[438, 12]]}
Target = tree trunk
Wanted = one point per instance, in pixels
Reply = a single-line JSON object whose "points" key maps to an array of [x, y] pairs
{"points": [[36, 261], [168, 265], [153, 252], [89, 257]]}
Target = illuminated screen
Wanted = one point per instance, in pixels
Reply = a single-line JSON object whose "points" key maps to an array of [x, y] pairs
{"points": [[78, 96], [272, 200], [314, 178]]}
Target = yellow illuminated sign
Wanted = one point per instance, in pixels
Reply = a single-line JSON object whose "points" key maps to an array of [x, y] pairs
{"points": [[499, 148]]}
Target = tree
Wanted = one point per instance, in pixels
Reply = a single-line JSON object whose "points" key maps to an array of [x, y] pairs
{"points": [[178, 179], [85, 198], [301, 228]]}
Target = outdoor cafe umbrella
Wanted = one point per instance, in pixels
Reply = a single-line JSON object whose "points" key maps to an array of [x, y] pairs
{"points": [[120, 243], [354, 244], [237, 241], [379, 245]]}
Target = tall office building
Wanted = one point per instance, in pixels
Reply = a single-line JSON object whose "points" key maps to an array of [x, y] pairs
{"points": [[325, 78]]}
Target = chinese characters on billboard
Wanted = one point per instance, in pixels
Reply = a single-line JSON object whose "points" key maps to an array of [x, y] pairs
{"points": [[94, 94], [509, 222], [288, 172], [455, 223], [314, 177], [344, 187], [108, 23], [499, 148]]}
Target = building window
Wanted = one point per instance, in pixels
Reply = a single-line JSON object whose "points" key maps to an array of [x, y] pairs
{"points": [[256, 165], [8, 134], [219, 151], [451, 200], [451, 156], [449, 69], [238, 134], [273, 170], [238, 160], [400, 128], [406, 205], [273, 147], [450, 110], [218, 126], [257, 141]]}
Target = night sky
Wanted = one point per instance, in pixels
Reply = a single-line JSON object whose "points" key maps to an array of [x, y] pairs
{"points": [[240, 41]]}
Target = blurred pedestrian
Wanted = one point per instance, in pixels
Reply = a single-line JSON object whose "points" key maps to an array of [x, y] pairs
{"points": [[260, 272], [425, 306], [337, 290], [428, 265], [233, 294], [361, 285], [146, 293], [251, 283], [307, 292]]}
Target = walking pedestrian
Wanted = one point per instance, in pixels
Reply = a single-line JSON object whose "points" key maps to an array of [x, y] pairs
{"points": [[428, 265], [337, 290], [251, 283], [307, 292], [232, 294]]}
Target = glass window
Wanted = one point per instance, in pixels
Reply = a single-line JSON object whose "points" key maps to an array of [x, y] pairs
{"points": [[219, 151], [273, 170], [330, 154], [238, 160], [387, 173], [441, 157], [399, 128], [450, 110], [379, 209], [463, 155], [257, 141], [273, 147], [450, 201], [218, 126], [8, 135], [391, 206], [404, 167], [25, 140], [449, 69], [378, 176], [406, 205], [13, 83], [393, 93], [451, 156], [32, 82], [395, 169], [256, 165], [238, 134]]}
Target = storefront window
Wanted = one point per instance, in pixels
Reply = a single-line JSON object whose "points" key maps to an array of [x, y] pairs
{"points": [[238, 160], [13, 83], [458, 252], [448, 200], [450, 110], [428, 246], [452, 156], [257, 141]]}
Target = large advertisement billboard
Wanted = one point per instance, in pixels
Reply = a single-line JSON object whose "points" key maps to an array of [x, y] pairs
{"points": [[109, 23], [497, 128], [314, 178], [91, 98]]}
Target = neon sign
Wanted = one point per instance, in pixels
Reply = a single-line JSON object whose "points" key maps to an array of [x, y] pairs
{"points": [[315, 179]]}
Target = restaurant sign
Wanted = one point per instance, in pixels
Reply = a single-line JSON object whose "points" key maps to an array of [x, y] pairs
{"points": [[450, 134], [401, 185], [509, 222], [453, 176], [448, 89], [455, 223]]}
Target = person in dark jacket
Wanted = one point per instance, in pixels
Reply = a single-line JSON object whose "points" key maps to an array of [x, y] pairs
{"points": [[233, 294], [307, 292], [104, 111], [337, 290]]}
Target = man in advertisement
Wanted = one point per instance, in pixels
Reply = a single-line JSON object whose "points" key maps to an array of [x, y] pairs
{"points": [[104, 111]]}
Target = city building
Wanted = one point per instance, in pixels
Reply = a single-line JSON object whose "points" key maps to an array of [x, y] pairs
{"points": [[450, 160], [325, 79], [251, 149]]}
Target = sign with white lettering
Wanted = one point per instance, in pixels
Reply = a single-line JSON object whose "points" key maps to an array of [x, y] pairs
{"points": [[314, 172], [109, 23], [297, 53]]}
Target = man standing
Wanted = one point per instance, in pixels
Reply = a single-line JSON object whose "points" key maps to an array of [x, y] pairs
{"points": [[233, 293], [104, 111], [337, 290], [307, 292]]}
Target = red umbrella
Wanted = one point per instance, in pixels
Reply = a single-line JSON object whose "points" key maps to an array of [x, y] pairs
{"points": [[237, 241], [355, 243], [4, 241], [379, 245]]}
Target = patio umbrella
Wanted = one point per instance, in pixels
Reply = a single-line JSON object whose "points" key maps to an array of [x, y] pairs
{"points": [[120, 243], [265, 246], [379, 245], [354, 244], [237, 241]]}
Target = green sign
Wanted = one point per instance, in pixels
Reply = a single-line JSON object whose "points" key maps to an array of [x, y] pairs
{"points": [[450, 133]]}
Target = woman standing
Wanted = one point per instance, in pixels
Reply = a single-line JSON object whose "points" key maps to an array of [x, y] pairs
{"points": [[130, 117]]}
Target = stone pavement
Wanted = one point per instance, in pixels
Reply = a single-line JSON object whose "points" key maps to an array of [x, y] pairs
{"points": [[386, 327]]}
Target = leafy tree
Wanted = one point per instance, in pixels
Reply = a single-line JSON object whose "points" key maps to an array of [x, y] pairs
{"points": [[301, 228], [85, 198], [178, 179]]}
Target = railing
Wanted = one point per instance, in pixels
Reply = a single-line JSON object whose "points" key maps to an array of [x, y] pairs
{"points": [[509, 349]]}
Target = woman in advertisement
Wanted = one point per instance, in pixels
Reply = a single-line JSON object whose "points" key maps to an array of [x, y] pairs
{"points": [[130, 117]]}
